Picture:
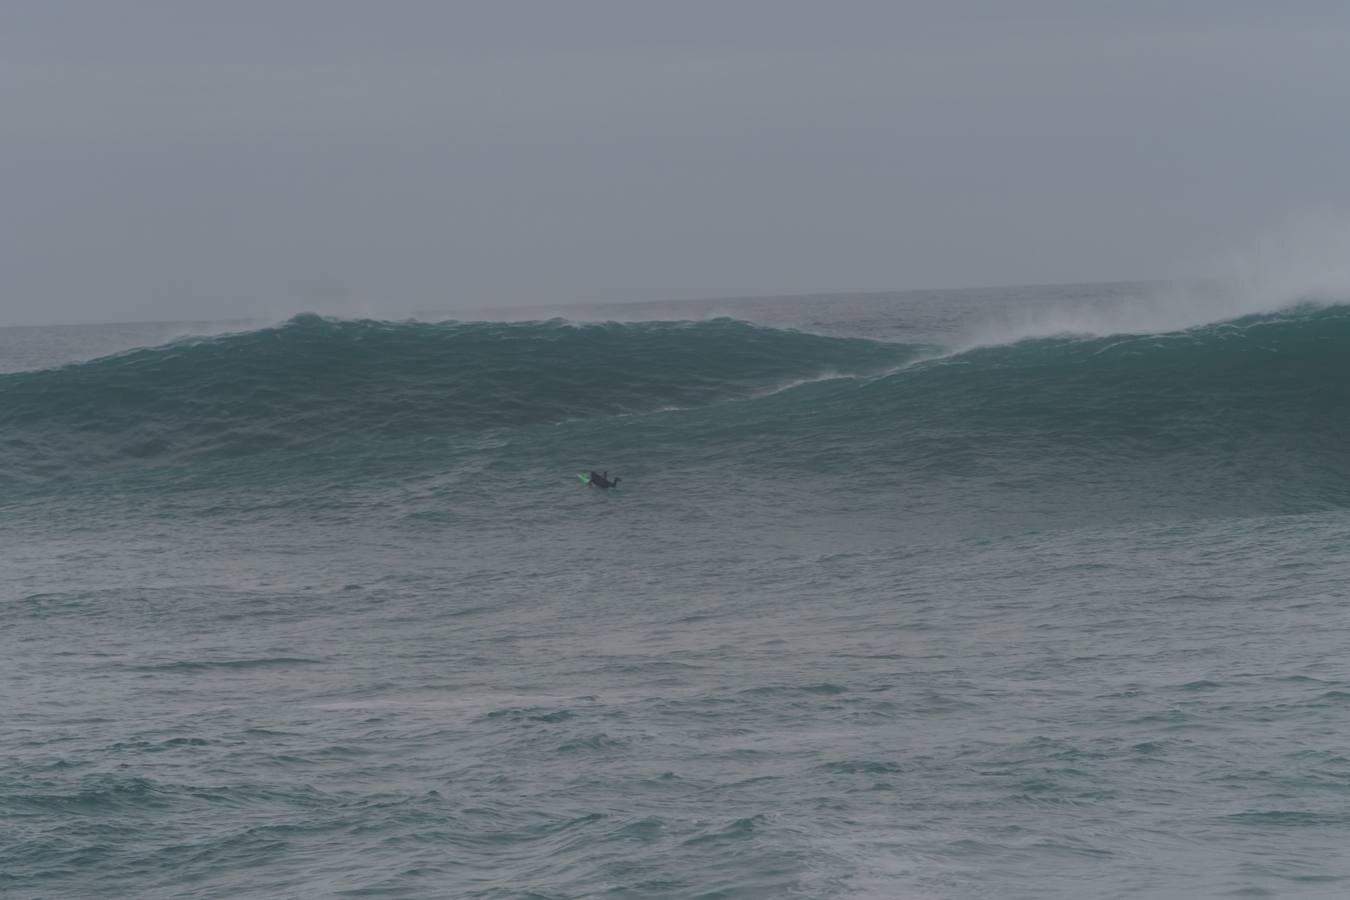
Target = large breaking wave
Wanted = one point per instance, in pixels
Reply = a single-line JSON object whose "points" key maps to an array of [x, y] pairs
{"points": [[315, 380], [1268, 394]]}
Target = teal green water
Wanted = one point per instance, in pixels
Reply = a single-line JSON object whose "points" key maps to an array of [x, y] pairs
{"points": [[319, 608]]}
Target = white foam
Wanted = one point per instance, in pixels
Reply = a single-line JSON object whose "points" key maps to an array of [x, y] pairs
{"points": [[1304, 261]]}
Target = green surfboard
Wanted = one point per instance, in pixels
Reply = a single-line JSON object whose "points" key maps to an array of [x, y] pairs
{"points": [[585, 479]]}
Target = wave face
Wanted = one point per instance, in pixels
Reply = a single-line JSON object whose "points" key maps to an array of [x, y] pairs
{"points": [[314, 380], [1277, 380], [1261, 400], [1249, 414]]}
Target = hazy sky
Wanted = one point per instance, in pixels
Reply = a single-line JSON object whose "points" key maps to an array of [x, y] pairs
{"points": [[194, 158]]}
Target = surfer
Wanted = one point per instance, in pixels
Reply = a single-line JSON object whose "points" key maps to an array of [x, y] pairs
{"points": [[601, 480]]}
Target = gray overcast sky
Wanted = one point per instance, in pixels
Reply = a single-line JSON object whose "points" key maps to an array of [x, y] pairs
{"points": [[193, 159]]}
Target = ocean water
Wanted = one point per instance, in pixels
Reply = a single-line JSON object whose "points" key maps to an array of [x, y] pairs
{"points": [[1021, 593]]}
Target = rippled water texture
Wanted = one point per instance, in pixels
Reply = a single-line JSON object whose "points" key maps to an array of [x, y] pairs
{"points": [[320, 609]]}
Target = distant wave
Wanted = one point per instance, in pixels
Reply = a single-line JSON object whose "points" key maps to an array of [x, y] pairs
{"points": [[1251, 413], [1263, 401], [1281, 377]]}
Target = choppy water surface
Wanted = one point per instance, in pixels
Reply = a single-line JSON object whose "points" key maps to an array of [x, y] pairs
{"points": [[321, 609]]}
